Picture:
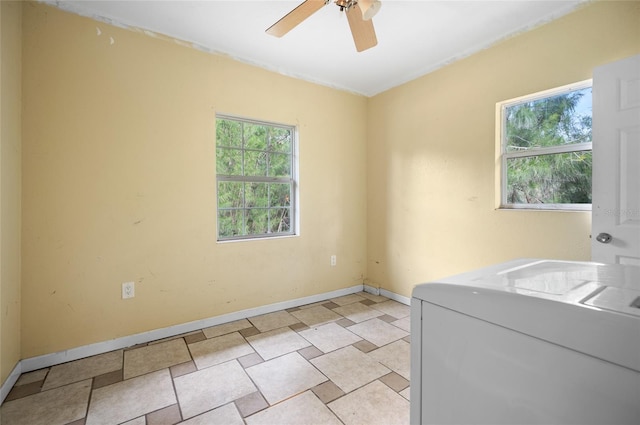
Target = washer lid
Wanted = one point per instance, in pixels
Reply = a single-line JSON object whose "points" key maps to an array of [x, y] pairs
{"points": [[617, 299], [545, 277], [583, 306]]}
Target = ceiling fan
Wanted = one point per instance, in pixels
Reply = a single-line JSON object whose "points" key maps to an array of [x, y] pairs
{"points": [[359, 14]]}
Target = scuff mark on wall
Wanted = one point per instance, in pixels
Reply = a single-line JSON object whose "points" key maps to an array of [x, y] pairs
{"points": [[98, 32]]}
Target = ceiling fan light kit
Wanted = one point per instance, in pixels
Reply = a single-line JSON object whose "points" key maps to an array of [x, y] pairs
{"points": [[359, 14], [369, 8]]}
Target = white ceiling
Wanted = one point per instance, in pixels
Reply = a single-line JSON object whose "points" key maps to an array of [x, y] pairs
{"points": [[414, 37]]}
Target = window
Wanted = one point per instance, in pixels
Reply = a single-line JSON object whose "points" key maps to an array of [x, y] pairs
{"points": [[255, 169], [545, 149]]}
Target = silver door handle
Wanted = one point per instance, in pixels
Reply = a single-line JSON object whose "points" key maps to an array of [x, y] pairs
{"points": [[604, 238]]}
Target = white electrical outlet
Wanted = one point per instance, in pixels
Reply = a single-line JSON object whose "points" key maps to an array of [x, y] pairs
{"points": [[333, 260], [128, 290]]}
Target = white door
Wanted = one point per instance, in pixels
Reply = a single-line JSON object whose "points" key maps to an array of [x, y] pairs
{"points": [[615, 227]]}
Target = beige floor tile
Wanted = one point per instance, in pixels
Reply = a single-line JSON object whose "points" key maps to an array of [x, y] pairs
{"points": [[82, 369], [377, 332], [44, 408], [219, 350], [327, 391], [142, 420], [249, 332], [345, 323], [166, 416], [140, 361], [250, 360], [226, 328], [194, 337], [405, 393], [372, 297], [373, 404], [107, 379], [394, 381], [184, 335], [298, 327], [329, 337], [224, 415], [130, 399], [349, 368], [182, 369], [347, 299], [285, 376], [305, 408], [302, 307], [395, 356], [277, 342], [404, 323], [270, 321], [31, 377], [358, 312], [250, 404], [24, 390], [365, 346], [310, 352], [197, 395], [393, 308], [316, 315]]}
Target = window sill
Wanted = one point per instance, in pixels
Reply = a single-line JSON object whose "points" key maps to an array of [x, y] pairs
{"points": [[257, 238], [547, 207]]}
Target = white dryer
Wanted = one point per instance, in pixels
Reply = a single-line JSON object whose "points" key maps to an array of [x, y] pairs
{"points": [[528, 342]]}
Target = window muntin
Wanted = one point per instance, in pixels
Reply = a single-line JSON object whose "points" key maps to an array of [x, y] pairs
{"points": [[546, 145], [255, 169]]}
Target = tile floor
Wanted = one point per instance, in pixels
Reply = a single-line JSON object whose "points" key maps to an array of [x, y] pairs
{"points": [[341, 361]]}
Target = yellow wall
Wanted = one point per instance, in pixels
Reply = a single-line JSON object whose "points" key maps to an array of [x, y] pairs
{"points": [[431, 153], [119, 177], [10, 177], [119, 184]]}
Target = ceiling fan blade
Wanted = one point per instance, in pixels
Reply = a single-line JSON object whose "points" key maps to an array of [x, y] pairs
{"points": [[293, 18], [364, 35]]}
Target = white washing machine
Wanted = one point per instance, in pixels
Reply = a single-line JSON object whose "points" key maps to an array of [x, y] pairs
{"points": [[528, 342]]}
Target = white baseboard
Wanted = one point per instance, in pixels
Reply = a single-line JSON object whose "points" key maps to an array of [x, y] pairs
{"points": [[392, 295], [48, 360], [383, 292], [10, 381], [371, 290]]}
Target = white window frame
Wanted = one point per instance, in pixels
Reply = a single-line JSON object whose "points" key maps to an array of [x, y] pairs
{"points": [[292, 180], [503, 155]]}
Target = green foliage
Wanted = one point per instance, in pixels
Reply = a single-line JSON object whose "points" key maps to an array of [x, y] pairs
{"points": [[552, 178], [246, 150]]}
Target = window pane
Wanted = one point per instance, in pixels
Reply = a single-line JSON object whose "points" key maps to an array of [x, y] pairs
{"points": [[228, 133], [255, 163], [256, 195], [280, 140], [254, 167], [279, 165], [230, 223], [280, 220], [230, 195], [550, 179], [280, 195], [552, 121], [255, 136], [229, 162], [257, 221]]}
